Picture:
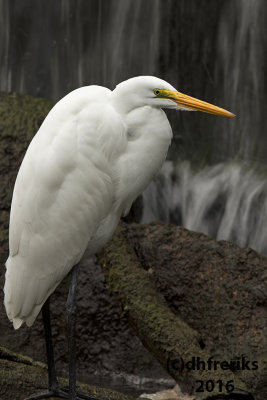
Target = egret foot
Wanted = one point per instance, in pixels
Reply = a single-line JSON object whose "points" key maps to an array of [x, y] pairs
{"points": [[62, 394], [55, 391]]}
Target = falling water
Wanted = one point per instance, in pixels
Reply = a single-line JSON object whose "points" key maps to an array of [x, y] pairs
{"points": [[242, 38], [211, 50], [54, 47], [226, 201], [5, 71]]}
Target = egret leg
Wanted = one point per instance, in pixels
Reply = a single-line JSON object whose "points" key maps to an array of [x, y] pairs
{"points": [[52, 378], [71, 324], [54, 389]]}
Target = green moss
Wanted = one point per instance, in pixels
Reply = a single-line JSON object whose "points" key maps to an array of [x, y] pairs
{"points": [[162, 332], [3, 235], [20, 377], [21, 115]]}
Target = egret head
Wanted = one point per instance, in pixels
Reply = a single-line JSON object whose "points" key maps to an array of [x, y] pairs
{"points": [[149, 90]]}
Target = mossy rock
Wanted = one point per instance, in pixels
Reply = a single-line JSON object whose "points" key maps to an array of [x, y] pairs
{"points": [[21, 377], [20, 118]]}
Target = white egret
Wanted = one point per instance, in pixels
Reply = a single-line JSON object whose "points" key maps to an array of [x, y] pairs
{"points": [[95, 152]]}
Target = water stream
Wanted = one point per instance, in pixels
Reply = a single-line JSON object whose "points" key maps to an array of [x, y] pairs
{"points": [[226, 201]]}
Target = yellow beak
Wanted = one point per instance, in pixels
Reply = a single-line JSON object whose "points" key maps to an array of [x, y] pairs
{"points": [[186, 101]]}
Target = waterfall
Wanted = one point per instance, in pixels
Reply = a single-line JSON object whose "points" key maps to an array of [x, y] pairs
{"points": [[5, 71], [242, 38], [226, 201], [211, 50], [52, 48]]}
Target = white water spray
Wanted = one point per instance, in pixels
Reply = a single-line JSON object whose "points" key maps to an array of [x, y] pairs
{"points": [[226, 201]]}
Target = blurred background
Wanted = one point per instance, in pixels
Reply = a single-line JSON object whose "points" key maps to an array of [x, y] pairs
{"points": [[214, 179]]}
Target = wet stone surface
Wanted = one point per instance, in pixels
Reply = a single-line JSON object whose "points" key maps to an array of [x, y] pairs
{"points": [[106, 344]]}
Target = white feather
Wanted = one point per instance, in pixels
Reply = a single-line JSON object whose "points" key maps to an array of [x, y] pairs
{"points": [[94, 154]]}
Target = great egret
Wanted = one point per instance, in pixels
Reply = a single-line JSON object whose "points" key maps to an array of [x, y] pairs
{"points": [[95, 152]]}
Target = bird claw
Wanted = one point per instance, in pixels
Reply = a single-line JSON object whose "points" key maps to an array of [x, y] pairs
{"points": [[47, 395], [62, 394]]}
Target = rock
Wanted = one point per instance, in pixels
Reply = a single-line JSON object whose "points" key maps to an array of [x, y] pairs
{"points": [[21, 377], [170, 394], [180, 348], [216, 287]]}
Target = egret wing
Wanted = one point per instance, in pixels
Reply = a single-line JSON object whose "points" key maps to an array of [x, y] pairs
{"points": [[64, 189]]}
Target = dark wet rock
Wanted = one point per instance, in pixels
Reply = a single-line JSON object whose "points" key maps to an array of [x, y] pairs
{"points": [[21, 377], [145, 264], [105, 341], [216, 287]]}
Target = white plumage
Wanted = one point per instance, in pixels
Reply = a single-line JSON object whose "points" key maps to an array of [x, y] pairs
{"points": [[94, 154]]}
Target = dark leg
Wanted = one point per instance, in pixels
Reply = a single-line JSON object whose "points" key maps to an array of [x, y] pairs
{"points": [[54, 389], [52, 379], [71, 323]]}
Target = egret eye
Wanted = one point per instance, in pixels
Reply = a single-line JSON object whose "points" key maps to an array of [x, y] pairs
{"points": [[156, 91]]}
